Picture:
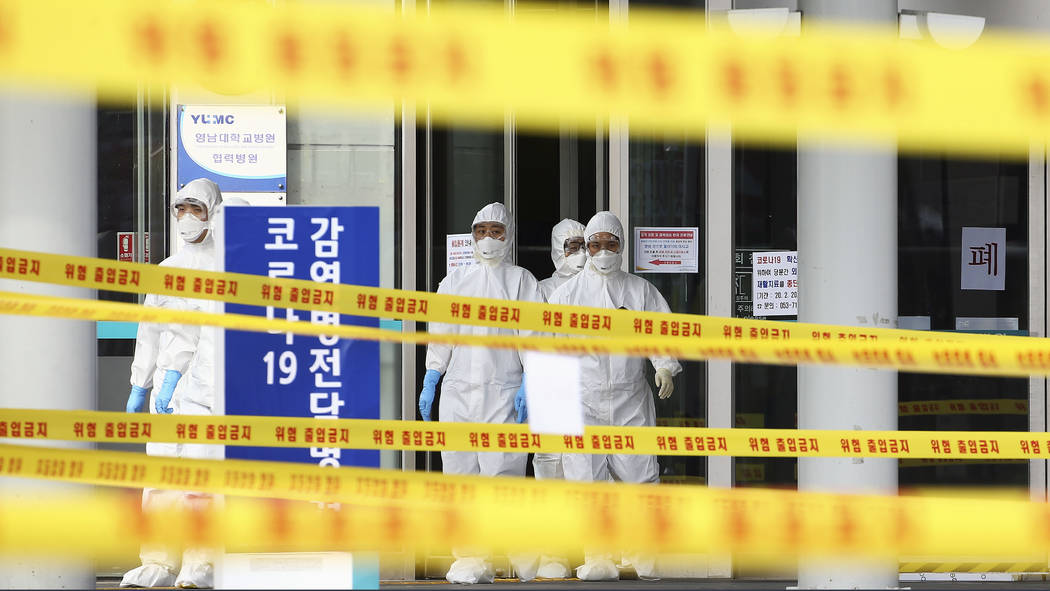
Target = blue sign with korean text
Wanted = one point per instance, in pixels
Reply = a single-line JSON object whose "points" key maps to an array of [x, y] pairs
{"points": [[302, 376]]}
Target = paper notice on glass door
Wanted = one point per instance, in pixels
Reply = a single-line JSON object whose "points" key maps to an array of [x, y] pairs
{"points": [[460, 249], [774, 283], [666, 250]]}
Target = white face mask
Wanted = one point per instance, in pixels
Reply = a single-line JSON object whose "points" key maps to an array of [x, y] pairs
{"points": [[572, 264], [606, 262], [490, 249], [191, 227]]}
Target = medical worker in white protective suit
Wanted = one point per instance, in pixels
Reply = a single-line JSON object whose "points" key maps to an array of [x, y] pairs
{"points": [[567, 252], [613, 387], [481, 385], [176, 362]]}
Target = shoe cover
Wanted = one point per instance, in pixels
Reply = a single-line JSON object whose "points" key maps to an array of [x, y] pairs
{"points": [[525, 565], [552, 567], [643, 564], [599, 569], [470, 570], [148, 575], [199, 575]]}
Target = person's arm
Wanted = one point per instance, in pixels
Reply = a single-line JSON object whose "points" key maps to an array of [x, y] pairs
{"points": [[439, 354], [528, 291], [655, 302], [147, 344], [178, 345]]}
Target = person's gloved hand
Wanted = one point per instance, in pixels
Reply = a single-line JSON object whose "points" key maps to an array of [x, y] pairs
{"points": [[519, 402], [137, 399], [426, 397], [167, 390], [664, 382]]}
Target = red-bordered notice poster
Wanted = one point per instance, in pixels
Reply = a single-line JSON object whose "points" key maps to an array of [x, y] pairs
{"points": [[666, 250]]}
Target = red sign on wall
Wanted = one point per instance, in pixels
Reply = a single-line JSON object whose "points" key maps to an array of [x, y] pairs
{"points": [[126, 247]]}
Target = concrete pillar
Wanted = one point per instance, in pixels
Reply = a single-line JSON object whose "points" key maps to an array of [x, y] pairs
{"points": [[847, 242], [47, 203]]}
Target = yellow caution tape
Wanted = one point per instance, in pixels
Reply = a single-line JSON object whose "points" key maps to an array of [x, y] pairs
{"points": [[389, 509], [1005, 356], [666, 72], [257, 290], [680, 335], [914, 408], [117, 427], [963, 406], [973, 565]]}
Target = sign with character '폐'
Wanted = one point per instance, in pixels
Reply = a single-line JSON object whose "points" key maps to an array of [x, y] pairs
{"points": [[984, 259]]}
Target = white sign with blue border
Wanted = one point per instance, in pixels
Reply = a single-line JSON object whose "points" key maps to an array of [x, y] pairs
{"points": [[243, 148]]}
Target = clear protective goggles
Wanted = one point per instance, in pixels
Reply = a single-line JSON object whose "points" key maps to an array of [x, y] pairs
{"points": [[489, 230], [573, 245], [609, 242], [188, 204]]}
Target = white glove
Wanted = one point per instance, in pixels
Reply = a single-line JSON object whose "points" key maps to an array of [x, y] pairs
{"points": [[664, 382]]}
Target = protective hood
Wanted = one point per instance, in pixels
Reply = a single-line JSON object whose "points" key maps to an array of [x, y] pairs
{"points": [[605, 221], [204, 192], [564, 230], [494, 212], [605, 262]]}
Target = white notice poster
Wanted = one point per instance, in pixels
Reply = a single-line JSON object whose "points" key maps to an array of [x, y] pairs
{"points": [[774, 283], [984, 258], [554, 401], [460, 249], [666, 250]]}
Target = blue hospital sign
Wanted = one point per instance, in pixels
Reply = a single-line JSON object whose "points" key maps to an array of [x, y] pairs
{"points": [[281, 374]]}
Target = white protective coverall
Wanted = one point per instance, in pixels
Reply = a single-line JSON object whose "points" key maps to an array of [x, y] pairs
{"points": [[190, 350], [479, 384], [548, 465], [613, 387]]}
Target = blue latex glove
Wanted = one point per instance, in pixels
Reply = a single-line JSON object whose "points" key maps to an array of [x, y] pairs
{"points": [[167, 390], [519, 402], [137, 399], [426, 397]]}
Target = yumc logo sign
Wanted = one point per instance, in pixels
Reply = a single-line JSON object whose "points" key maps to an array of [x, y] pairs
{"points": [[211, 119]]}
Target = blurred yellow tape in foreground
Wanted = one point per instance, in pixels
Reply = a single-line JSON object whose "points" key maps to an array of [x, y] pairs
{"points": [[1002, 356], [118, 427], [391, 509], [471, 64]]}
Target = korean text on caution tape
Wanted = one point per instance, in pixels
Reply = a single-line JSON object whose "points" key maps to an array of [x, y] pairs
{"points": [[1003, 356], [115, 427], [256, 290]]}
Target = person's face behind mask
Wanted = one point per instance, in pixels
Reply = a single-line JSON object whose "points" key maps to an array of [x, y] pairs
{"points": [[603, 249], [192, 221], [490, 239], [575, 257]]}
